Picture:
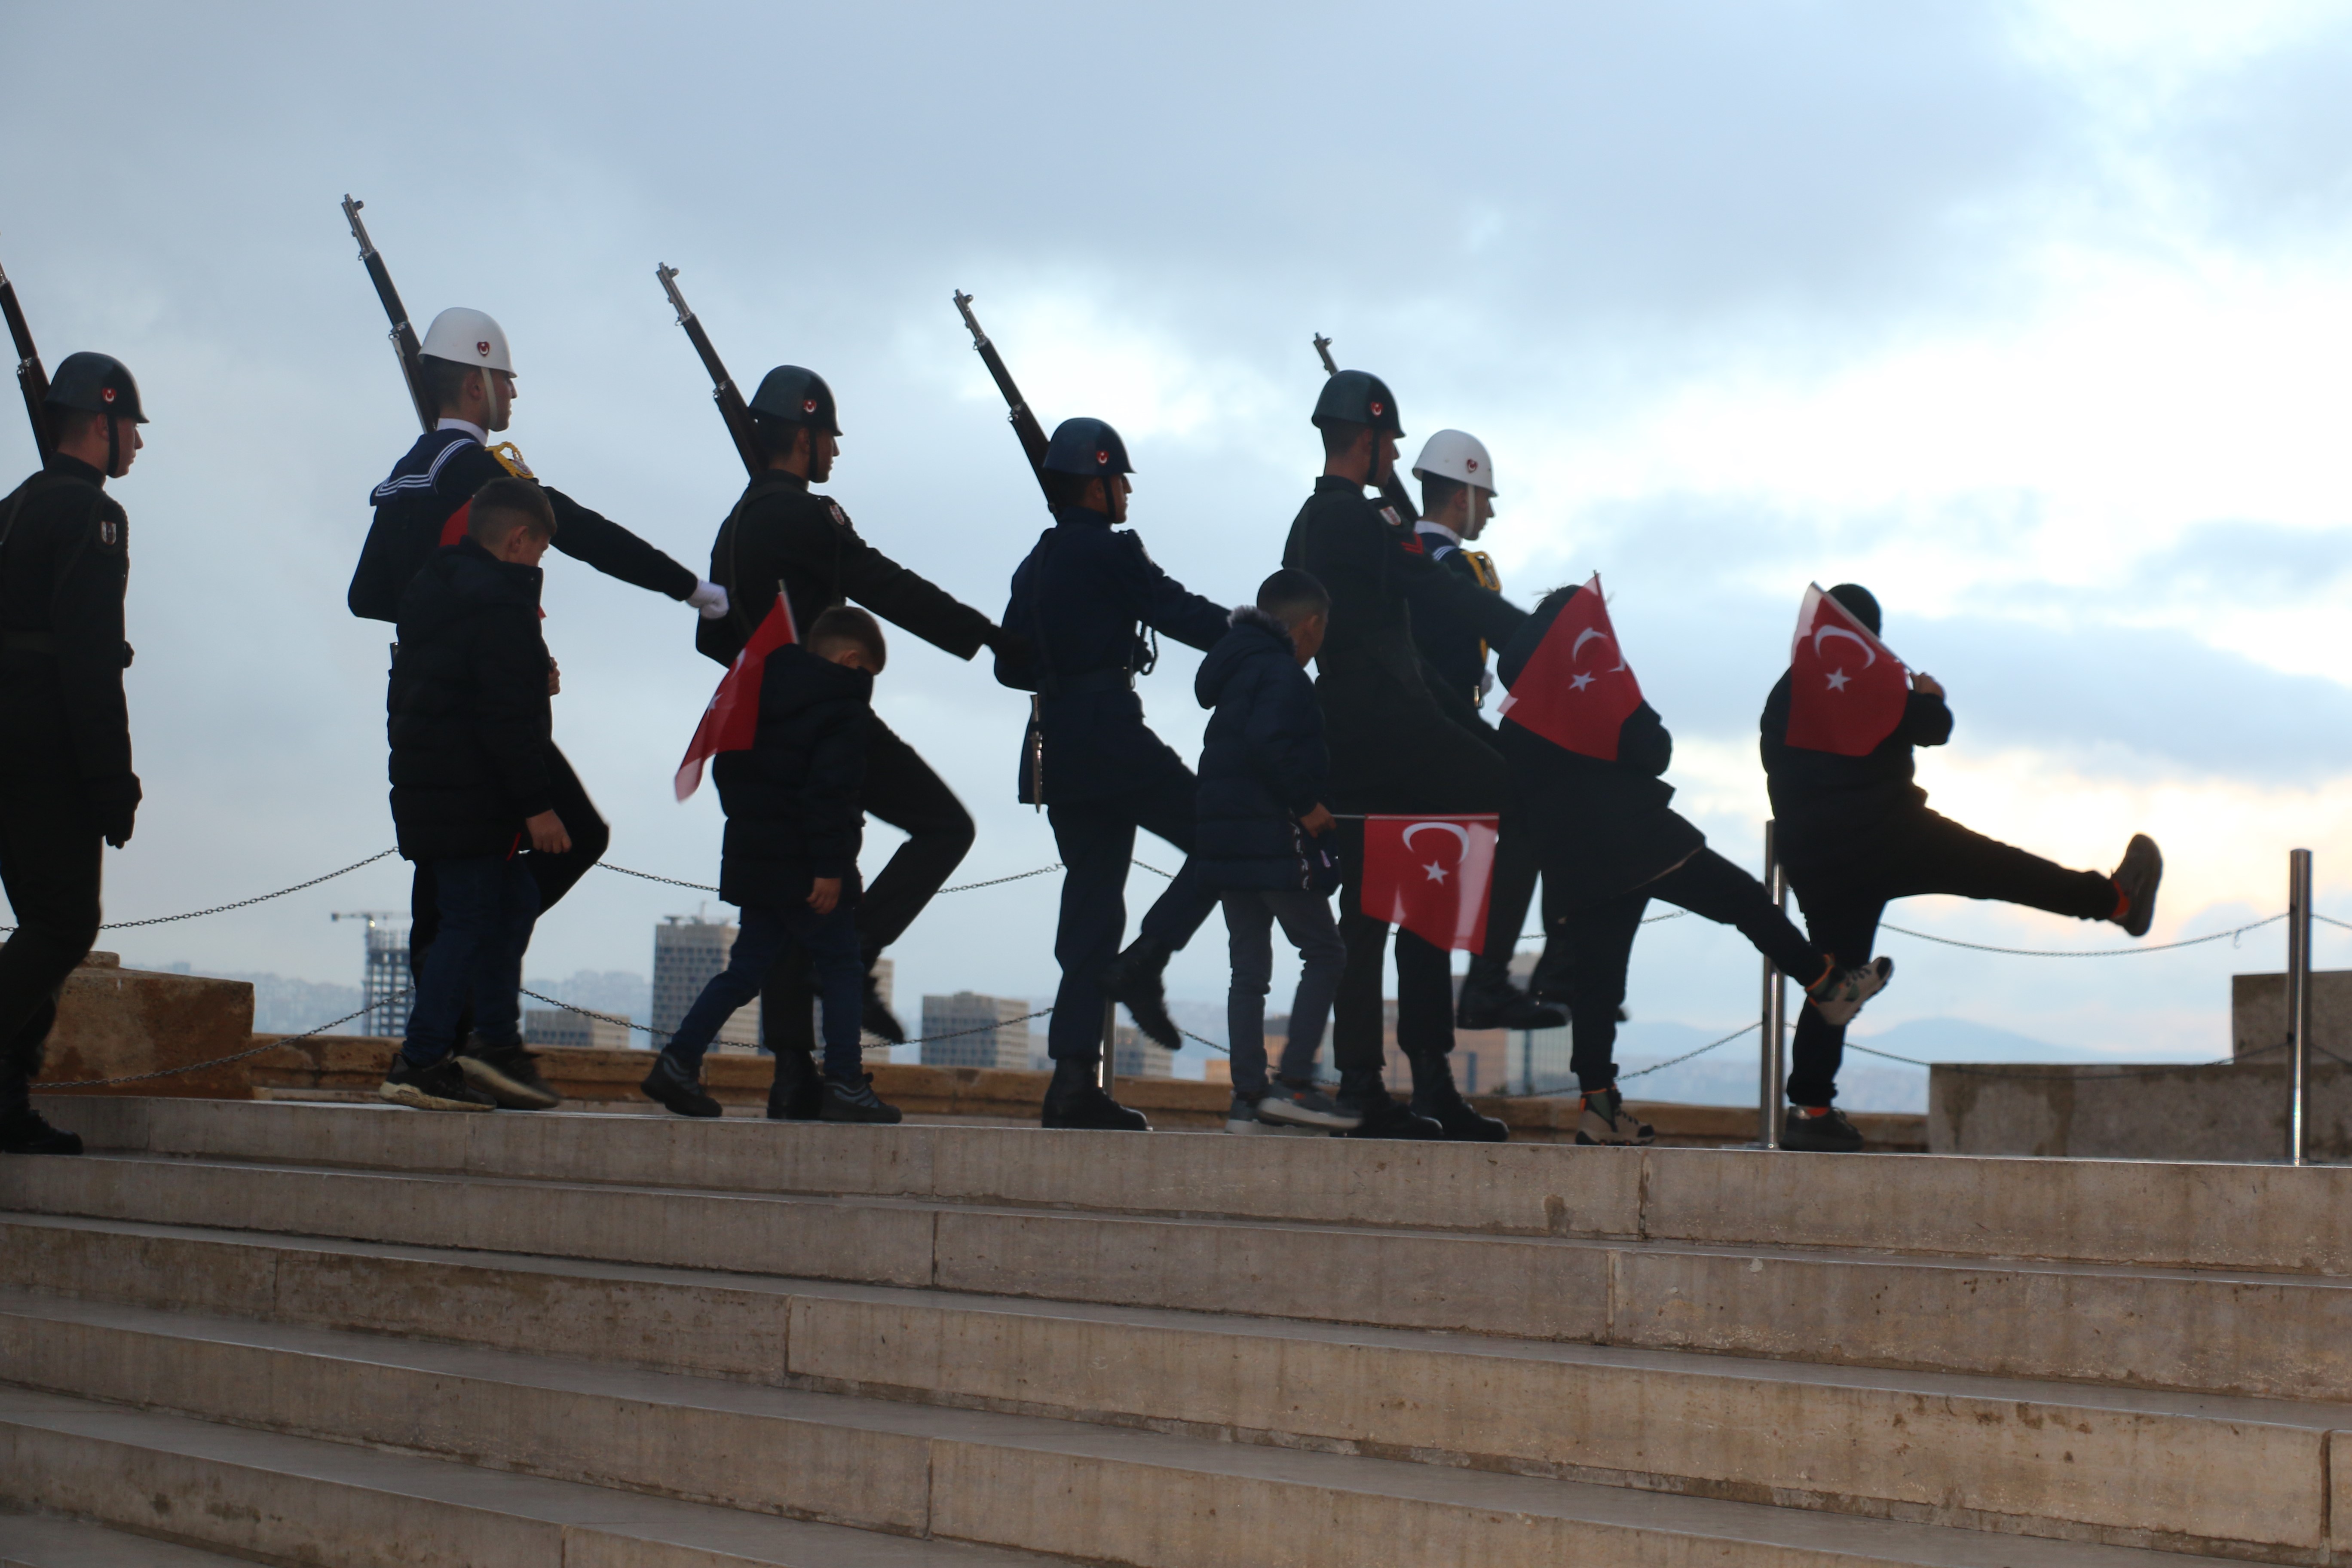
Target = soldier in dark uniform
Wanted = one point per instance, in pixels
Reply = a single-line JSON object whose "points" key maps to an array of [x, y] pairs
{"points": [[1393, 748], [1088, 759], [782, 532], [420, 508], [66, 783], [1457, 501]]}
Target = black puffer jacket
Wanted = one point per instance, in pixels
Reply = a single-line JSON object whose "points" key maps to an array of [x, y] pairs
{"points": [[1827, 807], [1602, 828], [1263, 763], [469, 715], [792, 799]]}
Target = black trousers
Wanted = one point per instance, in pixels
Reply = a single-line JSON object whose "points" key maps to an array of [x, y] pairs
{"points": [[901, 790], [555, 874], [1917, 852], [50, 862], [1600, 946], [1096, 842]]}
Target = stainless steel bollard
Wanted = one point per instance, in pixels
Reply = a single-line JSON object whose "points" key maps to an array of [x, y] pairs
{"points": [[1771, 1108], [1111, 1048], [2298, 1006]]}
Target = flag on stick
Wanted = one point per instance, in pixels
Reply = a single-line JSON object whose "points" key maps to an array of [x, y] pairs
{"points": [[732, 720], [1846, 690], [1431, 875], [1576, 690]]}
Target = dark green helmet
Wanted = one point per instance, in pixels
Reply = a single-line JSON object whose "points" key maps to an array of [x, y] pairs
{"points": [[791, 396], [1357, 397], [98, 384], [1088, 447]]}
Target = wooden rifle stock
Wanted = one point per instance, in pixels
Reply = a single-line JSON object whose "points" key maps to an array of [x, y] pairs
{"points": [[404, 345], [723, 390], [1025, 428], [1392, 488], [31, 376]]}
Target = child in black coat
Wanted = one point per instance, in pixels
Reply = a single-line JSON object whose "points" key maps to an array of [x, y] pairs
{"points": [[789, 861], [1264, 769]]}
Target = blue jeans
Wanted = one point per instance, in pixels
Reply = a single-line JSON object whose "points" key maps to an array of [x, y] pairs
{"points": [[489, 905], [1249, 926], [831, 941]]}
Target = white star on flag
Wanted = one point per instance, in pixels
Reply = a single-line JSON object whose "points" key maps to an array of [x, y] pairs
{"points": [[1581, 682], [1838, 678], [1436, 872]]}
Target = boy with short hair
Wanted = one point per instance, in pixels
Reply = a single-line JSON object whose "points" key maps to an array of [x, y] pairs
{"points": [[790, 860], [1264, 769], [469, 726]]}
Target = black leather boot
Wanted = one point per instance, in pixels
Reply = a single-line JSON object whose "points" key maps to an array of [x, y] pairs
{"points": [[1075, 1099], [1362, 1094], [798, 1092], [1133, 980], [1489, 1000], [1435, 1096]]}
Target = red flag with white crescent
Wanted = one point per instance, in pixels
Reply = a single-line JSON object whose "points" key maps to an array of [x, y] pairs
{"points": [[1576, 690], [731, 722], [1847, 691], [1431, 875]]}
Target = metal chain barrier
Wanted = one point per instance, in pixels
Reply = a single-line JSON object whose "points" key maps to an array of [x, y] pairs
{"points": [[218, 1061], [242, 903]]}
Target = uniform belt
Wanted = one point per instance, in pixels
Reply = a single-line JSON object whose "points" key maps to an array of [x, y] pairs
{"points": [[1119, 678]]}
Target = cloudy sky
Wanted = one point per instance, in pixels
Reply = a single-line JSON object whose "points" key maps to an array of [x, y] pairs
{"points": [[2033, 318]]}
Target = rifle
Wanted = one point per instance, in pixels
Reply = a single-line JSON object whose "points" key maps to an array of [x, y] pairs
{"points": [[1392, 488], [31, 376], [723, 391], [1025, 428], [404, 336]]}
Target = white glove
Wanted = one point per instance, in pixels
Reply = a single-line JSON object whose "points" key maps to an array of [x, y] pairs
{"points": [[709, 598], [1485, 684]]}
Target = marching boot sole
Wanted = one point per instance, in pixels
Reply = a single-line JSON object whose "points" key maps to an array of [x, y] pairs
{"points": [[2139, 876], [415, 1098], [511, 1093]]}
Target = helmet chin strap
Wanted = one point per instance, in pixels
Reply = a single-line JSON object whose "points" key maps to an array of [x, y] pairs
{"points": [[113, 448]]}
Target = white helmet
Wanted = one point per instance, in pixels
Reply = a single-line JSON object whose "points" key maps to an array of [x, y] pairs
{"points": [[468, 337], [1454, 455]]}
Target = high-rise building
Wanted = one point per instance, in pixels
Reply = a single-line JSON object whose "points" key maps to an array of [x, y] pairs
{"points": [[387, 990], [1132, 1056], [688, 950], [988, 1031], [561, 1027]]}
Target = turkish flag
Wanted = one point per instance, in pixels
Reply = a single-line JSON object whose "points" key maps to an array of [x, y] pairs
{"points": [[1846, 689], [732, 720], [1576, 690], [1431, 875]]}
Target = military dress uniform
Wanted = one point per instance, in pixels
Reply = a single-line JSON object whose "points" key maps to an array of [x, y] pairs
{"points": [[1394, 747], [1087, 754], [66, 783]]}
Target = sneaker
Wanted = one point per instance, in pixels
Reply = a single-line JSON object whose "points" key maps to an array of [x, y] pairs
{"points": [[2136, 880], [854, 1099], [1088, 1109], [1133, 979], [1840, 992], [1242, 1116], [1607, 1122], [1825, 1131], [670, 1085], [798, 1092], [874, 1016], [1499, 1004], [1301, 1105], [25, 1132], [508, 1075], [441, 1087]]}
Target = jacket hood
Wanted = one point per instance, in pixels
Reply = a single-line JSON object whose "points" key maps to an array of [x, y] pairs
{"points": [[796, 678], [1255, 635]]}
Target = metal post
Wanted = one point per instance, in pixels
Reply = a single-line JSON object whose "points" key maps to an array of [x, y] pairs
{"points": [[2298, 1006], [1111, 1048], [1769, 1108], [1526, 1061]]}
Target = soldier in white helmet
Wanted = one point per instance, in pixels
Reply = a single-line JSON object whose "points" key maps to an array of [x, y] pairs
{"points": [[422, 506], [1457, 501]]}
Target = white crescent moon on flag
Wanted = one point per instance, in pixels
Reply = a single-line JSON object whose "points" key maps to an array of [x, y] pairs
{"points": [[1870, 655], [1587, 635], [1461, 834]]}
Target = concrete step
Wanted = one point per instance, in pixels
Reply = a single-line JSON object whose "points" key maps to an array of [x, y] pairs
{"points": [[2270, 1336], [39, 1540], [2267, 1218], [2245, 1476], [294, 1499], [1062, 1489]]}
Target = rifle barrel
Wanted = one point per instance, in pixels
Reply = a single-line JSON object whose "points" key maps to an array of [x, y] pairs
{"points": [[31, 379], [732, 410], [404, 345], [1025, 428]]}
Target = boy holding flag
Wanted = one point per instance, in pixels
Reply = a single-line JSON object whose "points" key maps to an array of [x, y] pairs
{"points": [[1854, 831], [1586, 753]]}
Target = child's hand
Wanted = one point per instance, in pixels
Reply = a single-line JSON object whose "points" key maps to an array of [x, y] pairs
{"points": [[1927, 684], [547, 835], [554, 678], [824, 892], [1318, 821]]}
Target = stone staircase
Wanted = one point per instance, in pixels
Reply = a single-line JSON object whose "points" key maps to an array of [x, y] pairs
{"points": [[327, 1334]]}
